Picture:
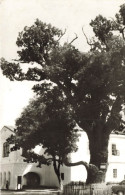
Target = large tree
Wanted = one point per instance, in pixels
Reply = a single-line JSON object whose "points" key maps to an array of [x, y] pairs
{"points": [[92, 83], [47, 122]]}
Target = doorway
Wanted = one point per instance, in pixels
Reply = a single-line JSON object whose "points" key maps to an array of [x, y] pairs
{"points": [[32, 180]]}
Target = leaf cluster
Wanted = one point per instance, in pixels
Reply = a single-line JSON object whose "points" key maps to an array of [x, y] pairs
{"points": [[49, 123], [87, 89]]}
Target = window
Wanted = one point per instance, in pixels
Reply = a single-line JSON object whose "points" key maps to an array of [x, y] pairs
{"points": [[0, 179], [5, 149], [62, 176], [4, 179], [114, 149], [115, 152], [9, 177], [114, 173], [19, 182], [19, 179]]}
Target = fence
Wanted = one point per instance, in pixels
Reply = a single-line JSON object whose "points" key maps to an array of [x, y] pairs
{"points": [[79, 188]]}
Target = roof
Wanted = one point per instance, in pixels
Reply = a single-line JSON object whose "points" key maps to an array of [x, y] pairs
{"points": [[118, 132], [11, 128]]}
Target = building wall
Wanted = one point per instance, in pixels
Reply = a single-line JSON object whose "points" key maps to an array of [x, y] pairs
{"points": [[14, 166], [120, 172], [79, 173], [116, 161]]}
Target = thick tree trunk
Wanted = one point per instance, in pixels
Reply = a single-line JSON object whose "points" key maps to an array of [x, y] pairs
{"points": [[98, 145], [89, 167], [56, 166]]}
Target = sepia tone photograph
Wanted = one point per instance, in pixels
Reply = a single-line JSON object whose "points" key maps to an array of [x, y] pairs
{"points": [[62, 102]]}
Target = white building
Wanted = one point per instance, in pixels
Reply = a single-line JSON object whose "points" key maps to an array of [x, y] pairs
{"points": [[18, 173], [116, 158]]}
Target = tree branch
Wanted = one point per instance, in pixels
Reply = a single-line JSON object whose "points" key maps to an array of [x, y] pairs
{"points": [[35, 74], [113, 120], [121, 30], [66, 91], [85, 164], [62, 35], [74, 39], [91, 44]]}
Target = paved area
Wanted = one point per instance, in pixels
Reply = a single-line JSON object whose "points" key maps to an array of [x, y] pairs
{"points": [[31, 192]]}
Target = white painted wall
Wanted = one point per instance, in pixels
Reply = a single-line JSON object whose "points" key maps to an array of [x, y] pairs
{"points": [[116, 162], [79, 173], [17, 167]]}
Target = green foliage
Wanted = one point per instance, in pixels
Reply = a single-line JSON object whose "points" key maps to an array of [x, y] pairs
{"points": [[122, 13], [102, 28], [47, 121], [37, 41], [87, 89]]}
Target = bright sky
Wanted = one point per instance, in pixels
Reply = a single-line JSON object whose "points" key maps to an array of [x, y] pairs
{"points": [[15, 14]]}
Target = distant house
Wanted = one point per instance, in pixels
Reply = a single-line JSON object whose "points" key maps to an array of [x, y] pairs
{"points": [[116, 157], [18, 173]]}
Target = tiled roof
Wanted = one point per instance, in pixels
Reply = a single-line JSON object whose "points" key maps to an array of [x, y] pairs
{"points": [[11, 128], [118, 132]]}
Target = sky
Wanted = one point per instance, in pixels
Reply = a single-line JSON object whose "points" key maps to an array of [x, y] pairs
{"points": [[64, 14]]}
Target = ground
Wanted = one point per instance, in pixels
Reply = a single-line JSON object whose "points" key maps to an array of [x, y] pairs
{"points": [[31, 192]]}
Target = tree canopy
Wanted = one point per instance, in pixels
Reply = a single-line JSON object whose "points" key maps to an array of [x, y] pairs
{"points": [[91, 84], [46, 121]]}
